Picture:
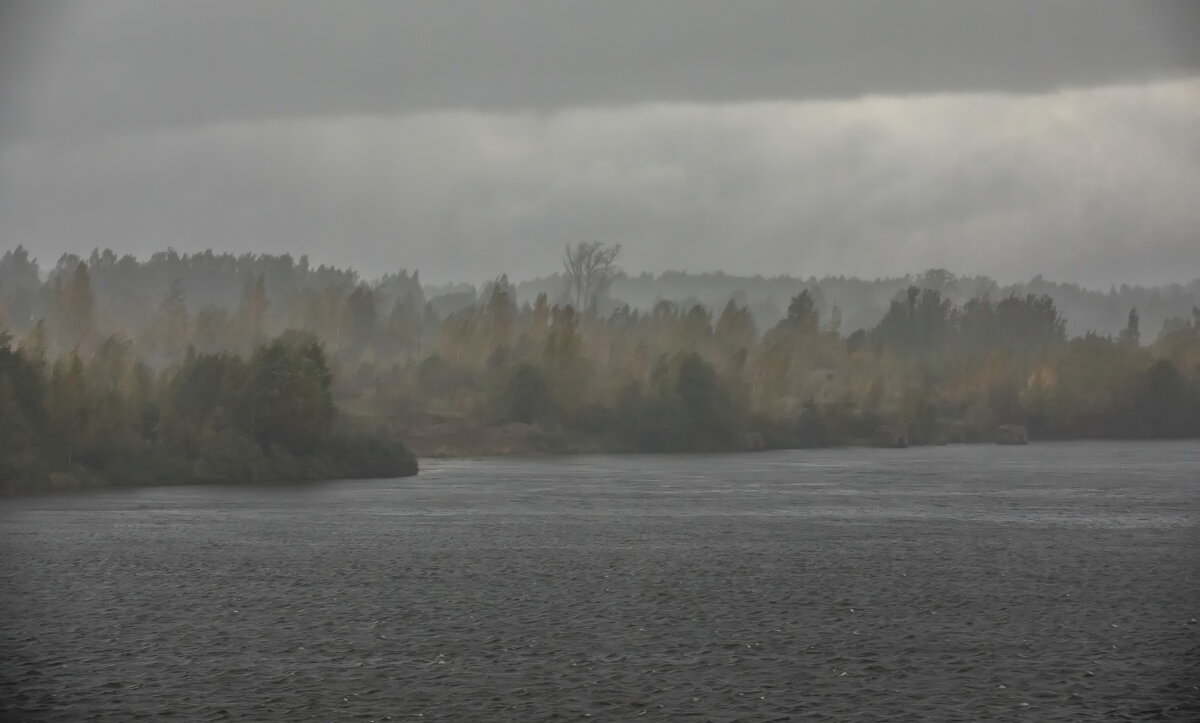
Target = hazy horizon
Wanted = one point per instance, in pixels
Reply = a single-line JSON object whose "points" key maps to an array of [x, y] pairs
{"points": [[374, 274]]}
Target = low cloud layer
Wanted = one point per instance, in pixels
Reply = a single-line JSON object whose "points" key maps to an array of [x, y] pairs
{"points": [[70, 68], [1094, 186]]}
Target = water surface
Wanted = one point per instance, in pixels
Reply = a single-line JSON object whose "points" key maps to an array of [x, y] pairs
{"points": [[1049, 582]]}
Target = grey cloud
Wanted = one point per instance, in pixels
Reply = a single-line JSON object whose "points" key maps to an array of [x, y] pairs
{"points": [[1095, 186], [79, 68]]}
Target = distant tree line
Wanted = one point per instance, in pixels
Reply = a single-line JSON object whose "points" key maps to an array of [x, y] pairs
{"points": [[244, 367], [861, 303]]}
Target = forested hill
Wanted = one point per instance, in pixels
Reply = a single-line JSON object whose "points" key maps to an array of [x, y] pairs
{"points": [[861, 303], [131, 288]]}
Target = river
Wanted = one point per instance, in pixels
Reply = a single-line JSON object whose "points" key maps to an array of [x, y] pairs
{"points": [[1041, 583]]}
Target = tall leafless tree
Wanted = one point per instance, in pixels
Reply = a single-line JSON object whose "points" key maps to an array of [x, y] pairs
{"points": [[590, 268]]}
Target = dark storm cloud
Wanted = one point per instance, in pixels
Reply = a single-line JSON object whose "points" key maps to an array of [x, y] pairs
{"points": [[472, 138], [72, 68]]}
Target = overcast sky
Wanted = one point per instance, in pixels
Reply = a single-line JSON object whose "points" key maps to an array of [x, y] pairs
{"points": [[471, 138]]}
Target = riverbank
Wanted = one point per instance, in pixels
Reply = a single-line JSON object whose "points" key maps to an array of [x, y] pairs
{"points": [[446, 437], [430, 437], [355, 457], [442, 437]]}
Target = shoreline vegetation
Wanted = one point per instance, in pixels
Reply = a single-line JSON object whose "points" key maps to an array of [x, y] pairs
{"points": [[222, 368], [110, 421]]}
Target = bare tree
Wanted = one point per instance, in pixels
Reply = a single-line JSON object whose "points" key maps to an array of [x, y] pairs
{"points": [[590, 269]]}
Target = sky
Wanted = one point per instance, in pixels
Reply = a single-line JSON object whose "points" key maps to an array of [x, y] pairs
{"points": [[469, 139]]}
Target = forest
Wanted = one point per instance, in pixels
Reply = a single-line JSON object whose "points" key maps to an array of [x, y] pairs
{"points": [[215, 367]]}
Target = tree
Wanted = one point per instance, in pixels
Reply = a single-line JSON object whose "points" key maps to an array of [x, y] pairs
{"points": [[168, 334], [1131, 335], [526, 395], [1164, 406], [770, 377], [402, 328], [20, 289], [1021, 322], [213, 330], [22, 411], [706, 408], [735, 327], [919, 322], [563, 341], [360, 308], [252, 311], [539, 326], [563, 356], [590, 270], [200, 398], [286, 398], [500, 315], [17, 271], [697, 326], [69, 406], [835, 321], [74, 311], [802, 315]]}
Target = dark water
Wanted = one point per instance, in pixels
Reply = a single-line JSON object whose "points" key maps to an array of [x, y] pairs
{"points": [[1052, 582]]}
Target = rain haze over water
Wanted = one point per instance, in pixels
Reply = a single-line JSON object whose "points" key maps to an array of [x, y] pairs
{"points": [[533, 360]]}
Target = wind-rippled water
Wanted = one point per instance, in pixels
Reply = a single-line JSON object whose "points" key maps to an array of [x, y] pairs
{"points": [[1042, 583]]}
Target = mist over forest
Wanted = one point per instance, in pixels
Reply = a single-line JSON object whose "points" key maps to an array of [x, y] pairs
{"points": [[128, 289], [213, 367], [845, 177]]}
